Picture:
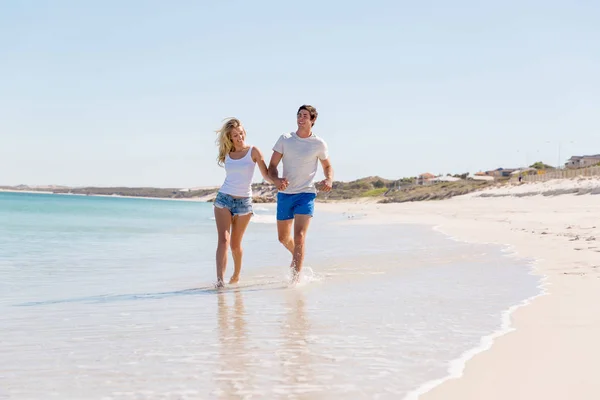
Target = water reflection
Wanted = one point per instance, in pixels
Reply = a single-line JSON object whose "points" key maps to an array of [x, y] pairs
{"points": [[233, 376], [269, 354], [295, 355]]}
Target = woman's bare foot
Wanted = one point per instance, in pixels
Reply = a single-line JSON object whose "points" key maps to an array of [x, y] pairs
{"points": [[219, 284], [234, 279]]}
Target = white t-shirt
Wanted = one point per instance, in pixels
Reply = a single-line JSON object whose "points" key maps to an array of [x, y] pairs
{"points": [[300, 160]]}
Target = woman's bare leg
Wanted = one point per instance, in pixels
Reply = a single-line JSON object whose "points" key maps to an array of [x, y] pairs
{"points": [[223, 220], [239, 225]]}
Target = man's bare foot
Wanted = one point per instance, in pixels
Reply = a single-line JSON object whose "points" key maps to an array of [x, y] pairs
{"points": [[295, 276], [234, 279], [220, 284]]}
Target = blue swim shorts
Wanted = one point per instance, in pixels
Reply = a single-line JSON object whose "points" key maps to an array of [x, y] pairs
{"points": [[235, 205], [289, 205]]}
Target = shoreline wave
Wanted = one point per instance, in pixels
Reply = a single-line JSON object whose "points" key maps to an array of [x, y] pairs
{"points": [[457, 366]]}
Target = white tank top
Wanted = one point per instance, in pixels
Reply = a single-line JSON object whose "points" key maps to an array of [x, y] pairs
{"points": [[238, 175]]}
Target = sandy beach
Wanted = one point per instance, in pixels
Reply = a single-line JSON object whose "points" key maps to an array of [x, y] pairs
{"points": [[550, 351]]}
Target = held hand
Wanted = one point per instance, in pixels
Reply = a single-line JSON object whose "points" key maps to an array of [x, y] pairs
{"points": [[325, 185], [284, 184], [281, 184]]}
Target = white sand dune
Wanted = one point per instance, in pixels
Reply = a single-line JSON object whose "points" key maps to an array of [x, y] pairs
{"points": [[582, 185]]}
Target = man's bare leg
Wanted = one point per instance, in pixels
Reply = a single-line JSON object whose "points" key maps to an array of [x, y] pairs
{"points": [[284, 231], [301, 223], [238, 227]]}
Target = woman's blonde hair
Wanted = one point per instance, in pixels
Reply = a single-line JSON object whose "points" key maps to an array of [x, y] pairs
{"points": [[224, 141]]}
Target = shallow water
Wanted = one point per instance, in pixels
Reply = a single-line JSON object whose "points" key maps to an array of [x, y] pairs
{"points": [[107, 298]]}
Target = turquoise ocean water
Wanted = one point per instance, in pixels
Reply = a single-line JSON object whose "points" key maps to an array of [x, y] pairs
{"points": [[111, 298]]}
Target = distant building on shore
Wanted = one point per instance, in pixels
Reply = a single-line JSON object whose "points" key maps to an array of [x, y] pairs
{"points": [[582, 161], [501, 172], [425, 179]]}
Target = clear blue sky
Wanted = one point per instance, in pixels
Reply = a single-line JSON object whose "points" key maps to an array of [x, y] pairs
{"points": [[130, 92]]}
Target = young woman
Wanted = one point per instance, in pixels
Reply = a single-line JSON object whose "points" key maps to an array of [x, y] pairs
{"points": [[233, 204]]}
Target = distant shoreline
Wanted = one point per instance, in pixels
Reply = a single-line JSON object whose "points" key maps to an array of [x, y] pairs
{"points": [[192, 199], [25, 191], [369, 189]]}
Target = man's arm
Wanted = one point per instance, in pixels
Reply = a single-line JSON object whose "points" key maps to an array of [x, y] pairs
{"points": [[281, 184], [327, 183]]}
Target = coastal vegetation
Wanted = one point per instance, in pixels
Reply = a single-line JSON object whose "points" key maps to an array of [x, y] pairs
{"points": [[436, 191], [541, 166]]}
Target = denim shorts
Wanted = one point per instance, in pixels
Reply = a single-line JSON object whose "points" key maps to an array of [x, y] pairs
{"points": [[235, 205], [288, 205]]}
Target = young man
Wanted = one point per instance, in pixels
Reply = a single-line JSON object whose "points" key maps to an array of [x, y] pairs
{"points": [[300, 151]]}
